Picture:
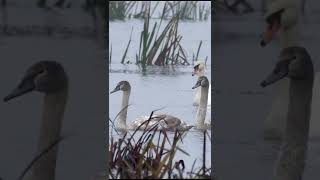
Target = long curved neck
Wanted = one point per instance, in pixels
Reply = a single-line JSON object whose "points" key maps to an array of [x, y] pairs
{"points": [[201, 72], [202, 109], [54, 106], [294, 148], [121, 121], [290, 37]]}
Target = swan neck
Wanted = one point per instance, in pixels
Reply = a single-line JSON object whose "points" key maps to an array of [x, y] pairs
{"points": [[289, 37], [201, 72], [295, 144], [121, 123], [202, 109], [51, 125]]}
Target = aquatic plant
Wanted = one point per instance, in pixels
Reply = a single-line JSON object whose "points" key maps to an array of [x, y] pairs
{"points": [[145, 7], [222, 6], [110, 55], [148, 157], [186, 10], [189, 10], [163, 49], [45, 151], [118, 10], [126, 51], [40, 155], [196, 57]]}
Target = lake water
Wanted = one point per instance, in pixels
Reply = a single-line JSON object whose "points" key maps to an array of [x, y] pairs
{"points": [[169, 87]]}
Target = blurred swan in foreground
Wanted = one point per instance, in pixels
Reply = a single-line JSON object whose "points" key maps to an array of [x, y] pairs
{"points": [[198, 69], [293, 152], [283, 17], [290, 115], [49, 78], [166, 121]]}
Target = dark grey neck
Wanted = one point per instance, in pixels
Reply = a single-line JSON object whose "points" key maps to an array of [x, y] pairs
{"points": [[293, 151], [54, 106]]}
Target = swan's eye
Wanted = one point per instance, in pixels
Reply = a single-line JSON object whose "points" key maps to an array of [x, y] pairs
{"points": [[196, 67], [41, 71], [274, 18]]}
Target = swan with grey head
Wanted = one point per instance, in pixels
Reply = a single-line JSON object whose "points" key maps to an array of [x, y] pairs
{"points": [[290, 115], [47, 77], [198, 70], [166, 121], [293, 152], [283, 17]]}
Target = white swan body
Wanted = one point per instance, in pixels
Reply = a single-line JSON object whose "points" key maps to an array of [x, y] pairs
{"points": [[165, 121], [296, 64], [275, 122], [49, 78], [198, 69]]}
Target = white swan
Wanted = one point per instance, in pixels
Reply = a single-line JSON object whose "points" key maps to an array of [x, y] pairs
{"points": [[296, 64], [283, 16], [49, 78], [198, 69], [166, 121]]}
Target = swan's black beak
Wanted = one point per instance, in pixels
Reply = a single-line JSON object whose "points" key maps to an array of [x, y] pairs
{"points": [[196, 85], [281, 70], [115, 90], [27, 85], [273, 77]]}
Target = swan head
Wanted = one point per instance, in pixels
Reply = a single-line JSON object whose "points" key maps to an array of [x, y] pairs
{"points": [[202, 81], [44, 76], [198, 68], [292, 64], [122, 86], [282, 16]]}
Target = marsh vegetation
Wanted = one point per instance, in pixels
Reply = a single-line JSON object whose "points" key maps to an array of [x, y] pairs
{"points": [[151, 155]]}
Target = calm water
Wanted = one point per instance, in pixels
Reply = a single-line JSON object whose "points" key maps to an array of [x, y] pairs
{"points": [[168, 87]]}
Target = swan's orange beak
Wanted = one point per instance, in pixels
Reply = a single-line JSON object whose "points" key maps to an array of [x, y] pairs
{"points": [[269, 33], [193, 72], [274, 25]]}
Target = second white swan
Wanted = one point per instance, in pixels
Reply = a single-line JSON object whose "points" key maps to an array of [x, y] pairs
{"points": [[198, 69], [165, 121]]}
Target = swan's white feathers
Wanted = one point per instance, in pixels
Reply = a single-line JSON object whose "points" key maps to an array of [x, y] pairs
{"points": [[165, 121]]}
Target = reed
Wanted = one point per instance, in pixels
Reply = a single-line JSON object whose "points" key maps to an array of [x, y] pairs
{"points": [[119, 10], [126, 51], [196, 57], [146, 156], [41, 154], [160, 48], [186, 10]]}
